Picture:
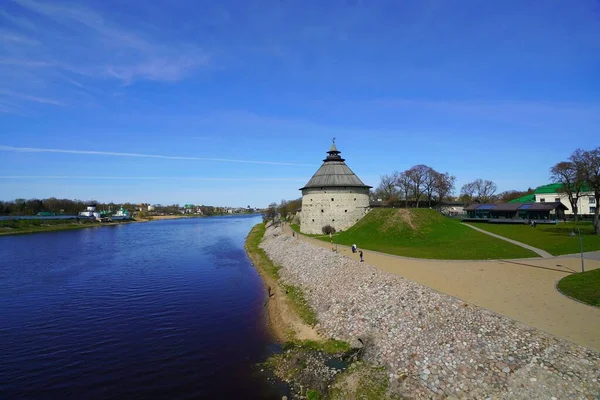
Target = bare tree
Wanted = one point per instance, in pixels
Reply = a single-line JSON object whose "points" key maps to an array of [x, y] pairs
{"points": [[429, 184], [270, 213], [588, 163], [443, 185], [571, 179], [282, 210], [417, 176], [387, 189], [404, 184], [480, 189], [467, 192]]}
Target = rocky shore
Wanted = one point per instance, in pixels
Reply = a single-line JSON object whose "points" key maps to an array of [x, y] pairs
{"points": [[432, 345]]}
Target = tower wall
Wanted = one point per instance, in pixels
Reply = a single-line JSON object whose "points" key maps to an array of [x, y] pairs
{"points": [[340, 207]]}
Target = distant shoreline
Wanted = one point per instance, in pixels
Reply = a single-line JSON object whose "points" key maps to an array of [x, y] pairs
{"points": [[71, 224]]}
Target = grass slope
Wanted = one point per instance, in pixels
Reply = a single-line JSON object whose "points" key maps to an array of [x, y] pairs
{"points": [[425, 233], [584, 287], [554, 239]]}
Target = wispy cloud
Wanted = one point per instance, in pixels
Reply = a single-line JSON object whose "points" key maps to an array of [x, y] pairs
{"points": [[170, 178], [36, 99], [11, 38], [126, 54], [139, 155], [50, 40]]}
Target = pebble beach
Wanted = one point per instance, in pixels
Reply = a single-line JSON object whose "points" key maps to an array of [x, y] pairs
{"points": [[432, 345]]}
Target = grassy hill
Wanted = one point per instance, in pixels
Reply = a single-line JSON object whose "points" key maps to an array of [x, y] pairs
{"points": [[424, 233]]}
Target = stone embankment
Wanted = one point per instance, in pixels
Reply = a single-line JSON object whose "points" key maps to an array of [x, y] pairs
{"points": [[432, 345]]}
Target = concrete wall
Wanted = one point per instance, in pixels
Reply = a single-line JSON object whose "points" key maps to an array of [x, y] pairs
{"points": [[338, 207], [585, 204]]}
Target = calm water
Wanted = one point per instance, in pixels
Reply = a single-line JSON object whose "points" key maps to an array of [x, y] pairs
{"points": [[167, 309]]}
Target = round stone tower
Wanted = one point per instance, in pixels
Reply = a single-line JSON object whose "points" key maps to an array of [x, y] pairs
{"points": [[333, 196]]}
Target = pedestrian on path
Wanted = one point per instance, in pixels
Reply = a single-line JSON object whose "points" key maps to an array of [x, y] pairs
{"points": [[360, 253], [353, 248]]}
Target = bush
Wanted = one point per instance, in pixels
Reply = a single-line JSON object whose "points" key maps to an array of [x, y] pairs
{"points": [[327, 229]]}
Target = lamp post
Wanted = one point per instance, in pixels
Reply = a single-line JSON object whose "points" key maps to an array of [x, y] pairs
{"points": [[572, 234]]}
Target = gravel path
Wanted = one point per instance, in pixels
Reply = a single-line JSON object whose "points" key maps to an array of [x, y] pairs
{"points": [[433, 345]]}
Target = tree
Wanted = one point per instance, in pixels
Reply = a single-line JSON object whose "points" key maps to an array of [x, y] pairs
{"points": [[443, 185], [270, 213], [588, 163], [387, 189], [283, 210], [509, 195], [571, 179], [293, 206], [404, 184], [467, 192], [480, 189], [417, 176], [429, 184]]}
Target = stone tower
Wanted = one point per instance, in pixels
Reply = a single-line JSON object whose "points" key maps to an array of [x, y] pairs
{"points": [[333, 196]]}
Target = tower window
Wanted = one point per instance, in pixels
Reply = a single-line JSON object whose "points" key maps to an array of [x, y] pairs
{"points": [[355, 199], [322, 211], [345, 210], [333, 220], [313, 220], [332, 199]]}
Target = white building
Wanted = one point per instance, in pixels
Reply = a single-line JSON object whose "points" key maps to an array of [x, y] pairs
{"points": [[586, 204], [333, 196], [90, 211]]}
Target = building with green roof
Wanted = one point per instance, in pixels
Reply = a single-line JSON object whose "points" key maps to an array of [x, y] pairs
{"points": [[553, 192]]}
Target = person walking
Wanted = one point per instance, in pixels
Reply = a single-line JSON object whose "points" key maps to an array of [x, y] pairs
{"points": [[360, 253], [353, 248]]}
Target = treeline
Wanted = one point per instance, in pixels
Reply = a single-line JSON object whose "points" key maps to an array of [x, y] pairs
{"points": [[282, 211], [419, 185], [55, 206]]}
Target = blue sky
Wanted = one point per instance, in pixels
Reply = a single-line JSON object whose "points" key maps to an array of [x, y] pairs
{"points": [[241, 99]]}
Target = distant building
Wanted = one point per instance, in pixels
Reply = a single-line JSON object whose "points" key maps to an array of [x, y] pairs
{"points": [[553, 193], [90, 211], [549, 211], [333, 196]]}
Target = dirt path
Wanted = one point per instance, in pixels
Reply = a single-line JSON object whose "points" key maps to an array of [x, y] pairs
{"points": [[524, 290]]}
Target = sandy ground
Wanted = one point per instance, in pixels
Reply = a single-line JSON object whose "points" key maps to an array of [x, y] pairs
{"points": [[284, 322], [524, 290]]}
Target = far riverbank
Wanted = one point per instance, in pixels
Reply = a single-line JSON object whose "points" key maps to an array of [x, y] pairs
{"points": [[27, 225]]}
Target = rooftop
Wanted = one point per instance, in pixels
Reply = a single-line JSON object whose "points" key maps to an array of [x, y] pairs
{"points": [[334, 173]]}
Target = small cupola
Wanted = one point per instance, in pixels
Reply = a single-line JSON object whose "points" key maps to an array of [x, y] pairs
{"points": [[333, 153]]}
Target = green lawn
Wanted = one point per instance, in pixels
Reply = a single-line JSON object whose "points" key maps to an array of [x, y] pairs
{"points": [[584, 286], [424, 233], [554, 239]]}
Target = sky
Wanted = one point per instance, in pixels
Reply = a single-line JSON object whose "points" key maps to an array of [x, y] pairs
{"points": [[235, 102]]}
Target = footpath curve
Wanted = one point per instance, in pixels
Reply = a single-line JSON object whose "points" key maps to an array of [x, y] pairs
{"points": [[524, 290], [540, 252]]}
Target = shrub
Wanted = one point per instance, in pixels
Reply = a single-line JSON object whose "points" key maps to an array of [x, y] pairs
{"points": [[327, 229]]}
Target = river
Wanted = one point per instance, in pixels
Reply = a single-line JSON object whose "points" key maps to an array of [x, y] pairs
{"points": [[166, 309]]}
